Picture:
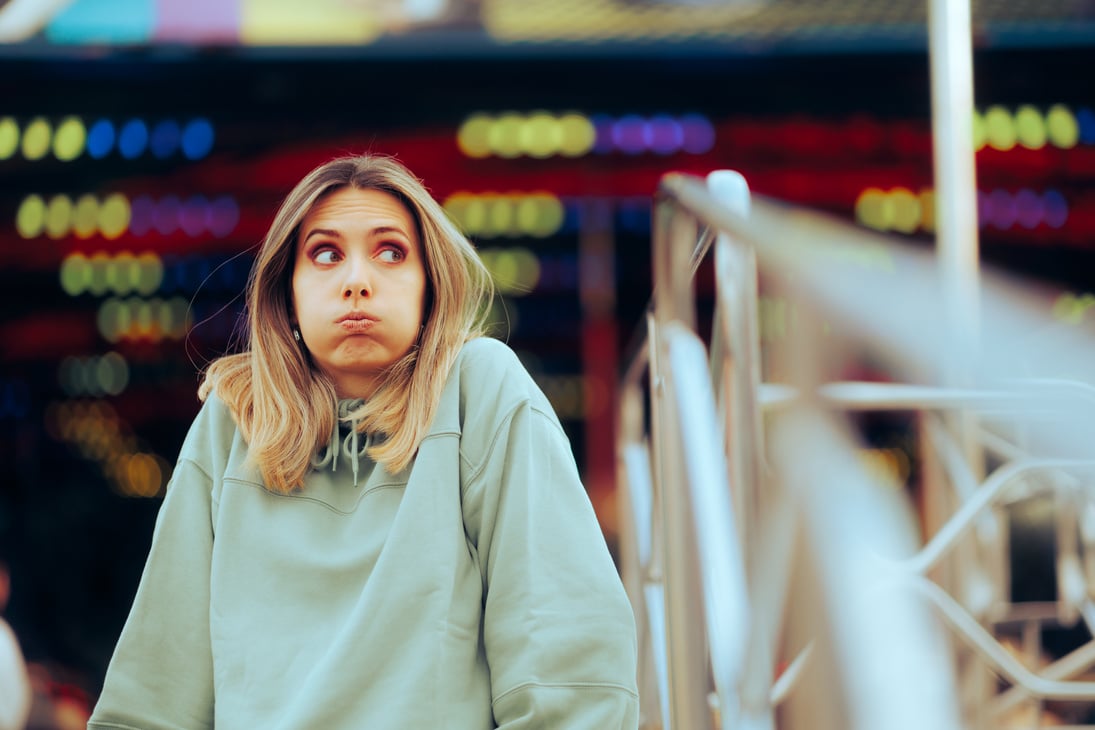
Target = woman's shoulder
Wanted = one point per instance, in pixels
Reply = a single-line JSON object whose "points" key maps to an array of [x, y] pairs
{"points": [[493, 382]]}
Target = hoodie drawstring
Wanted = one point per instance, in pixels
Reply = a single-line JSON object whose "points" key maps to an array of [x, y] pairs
{"points": [[348, 445]]}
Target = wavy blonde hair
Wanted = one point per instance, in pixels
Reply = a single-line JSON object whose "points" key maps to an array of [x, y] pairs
{"points": [[286, 408]]}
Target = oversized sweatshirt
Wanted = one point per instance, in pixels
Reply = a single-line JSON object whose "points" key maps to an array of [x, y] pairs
{"points": [[472, 590]]}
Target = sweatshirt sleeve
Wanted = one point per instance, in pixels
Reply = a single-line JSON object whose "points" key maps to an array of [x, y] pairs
{"points": [[161, 674], [558, 628]]}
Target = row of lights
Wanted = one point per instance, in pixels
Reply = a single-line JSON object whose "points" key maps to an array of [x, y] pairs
{"points": [[542, 135], [96, 376], [103, 273], [112, 216], [1001, 129], [151, 320], [96, 432], [487, 215], [903, 211], [71, 138]]}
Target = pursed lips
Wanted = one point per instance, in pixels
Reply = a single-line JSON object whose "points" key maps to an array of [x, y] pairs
{"points": [[356, 322]]}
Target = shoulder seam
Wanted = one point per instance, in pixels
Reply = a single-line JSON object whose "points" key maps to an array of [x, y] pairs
{"points": [[477, 469]]}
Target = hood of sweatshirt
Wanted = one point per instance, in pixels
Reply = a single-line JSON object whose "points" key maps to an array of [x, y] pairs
{"points": [[347, 441]]}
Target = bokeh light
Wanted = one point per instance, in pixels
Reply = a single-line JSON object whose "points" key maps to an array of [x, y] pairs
{"points": [[69, 139], [165, 139], [30, 218], [133, 139], [85, 216], [9, 137], [1030, 127], [36, 138], [1000, 132], [197, 138], [489, 215], [100, 139], [1061, 127], [114, 215], [58, 216]]}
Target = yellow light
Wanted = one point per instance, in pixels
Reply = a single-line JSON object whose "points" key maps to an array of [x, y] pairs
{"points": [[149, 273], [578, 135], [1061, 127], [871, 209], [475, 215], [9, 137], [550, 214], [999, 128], [59, 216], [36, 139], [69, 140], [30, 219], [473, 138], [1030, 127], [505, 135], [123, 273], [500, 216], [927, 210], [978, 130], [906, 210], [98, 282], [541, 135], [85, 218], [528, 270], [114, 215], [112, 320], [75, 274]]}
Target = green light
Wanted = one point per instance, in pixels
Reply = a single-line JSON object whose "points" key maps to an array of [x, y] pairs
{"points": [[75, 274], [578, 135], [499, 216], [1000, 129], [112, 373], [59, 216], [473, 138], [114, 216], [871, 209], [541, 135], [906, 210], [1030, 127], [36, 139], [30, 219], [85, 218], [505, 135], [149, 273], [1061, 127], [69, 140], [9, 137]]}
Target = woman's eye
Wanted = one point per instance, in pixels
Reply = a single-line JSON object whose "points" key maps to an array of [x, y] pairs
{"points": [[391, 255], [325, 256]]}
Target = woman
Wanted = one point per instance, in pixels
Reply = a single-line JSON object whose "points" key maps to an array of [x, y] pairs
{"points": [[376, 520]]}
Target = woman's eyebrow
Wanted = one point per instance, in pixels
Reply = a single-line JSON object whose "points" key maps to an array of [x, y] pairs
{"points": [[322, 232]]}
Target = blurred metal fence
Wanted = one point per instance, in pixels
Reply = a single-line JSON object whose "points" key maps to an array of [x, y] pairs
{"points": [[779, 580]]}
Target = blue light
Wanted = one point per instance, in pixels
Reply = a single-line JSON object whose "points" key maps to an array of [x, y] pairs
{"points": [[100, 139], [197, 139], [1086, 119], [133, 139], [165, 139], [1056, 208], [629, 134], [603, 126]]}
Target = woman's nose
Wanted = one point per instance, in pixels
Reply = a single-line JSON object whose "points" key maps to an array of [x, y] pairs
{"points": [[357, 282]]}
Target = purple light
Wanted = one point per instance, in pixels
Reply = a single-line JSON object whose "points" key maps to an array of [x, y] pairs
{"points": [[664, 135], [699, 135], [223, 216], [166, 217], [142, 215], [1002, 209], [192, 217], [629, 134], [984, 209], [603, 125], [1029, 210]]}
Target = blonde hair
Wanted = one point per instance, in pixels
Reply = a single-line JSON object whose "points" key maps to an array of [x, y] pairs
{"points": [[284, 407]]}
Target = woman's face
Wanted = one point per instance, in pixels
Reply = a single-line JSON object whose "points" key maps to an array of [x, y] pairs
{"points": [[359, 286]]}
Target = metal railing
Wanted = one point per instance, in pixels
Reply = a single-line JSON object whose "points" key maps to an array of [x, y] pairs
{"points": [[779, 582]]}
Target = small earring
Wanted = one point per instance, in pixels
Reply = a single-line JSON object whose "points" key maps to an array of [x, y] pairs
{"points": [[296, 334]]}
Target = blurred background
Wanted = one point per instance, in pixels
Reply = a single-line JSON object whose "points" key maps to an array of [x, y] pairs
{"points": [[146, 144]]}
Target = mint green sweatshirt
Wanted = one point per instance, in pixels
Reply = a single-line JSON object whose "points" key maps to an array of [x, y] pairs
{"points": [[472, 590]]}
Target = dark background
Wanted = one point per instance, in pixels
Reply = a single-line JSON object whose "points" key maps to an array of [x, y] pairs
{"points": [[813, 111]]}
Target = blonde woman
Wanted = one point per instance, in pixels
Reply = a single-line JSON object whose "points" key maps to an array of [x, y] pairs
{"points": [[375, 520]]}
